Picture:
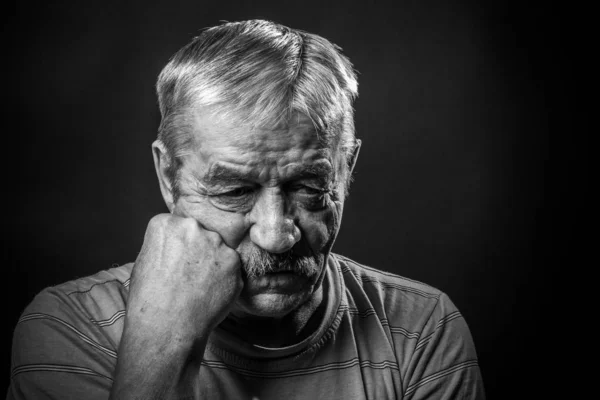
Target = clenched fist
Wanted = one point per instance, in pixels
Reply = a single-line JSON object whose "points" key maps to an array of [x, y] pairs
{"points": [[185, 278]]}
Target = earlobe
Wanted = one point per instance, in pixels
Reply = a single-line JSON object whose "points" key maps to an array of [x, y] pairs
{"points": [[161, 164]]}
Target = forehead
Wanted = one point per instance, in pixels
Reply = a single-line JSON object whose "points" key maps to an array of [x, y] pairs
{"points": [[264, 154]]}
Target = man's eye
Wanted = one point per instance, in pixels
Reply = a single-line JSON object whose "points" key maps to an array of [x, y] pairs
{"points": [[236, 199], [307, 190], [310, 191], [310, 197], [237, 192]]}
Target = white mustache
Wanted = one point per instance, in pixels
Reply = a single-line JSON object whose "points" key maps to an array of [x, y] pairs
{"points": [[257, 262]]}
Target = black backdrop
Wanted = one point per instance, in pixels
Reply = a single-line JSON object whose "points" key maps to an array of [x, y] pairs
{"points": [[458, 110]]}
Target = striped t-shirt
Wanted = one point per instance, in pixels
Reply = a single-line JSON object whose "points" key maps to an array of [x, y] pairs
{"points": [[382, 337]]}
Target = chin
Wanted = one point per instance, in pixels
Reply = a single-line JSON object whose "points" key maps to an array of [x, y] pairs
{"points": [[271, 305]]}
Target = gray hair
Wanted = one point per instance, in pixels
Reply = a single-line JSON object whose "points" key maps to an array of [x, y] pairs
{"points": [[260, 73]]}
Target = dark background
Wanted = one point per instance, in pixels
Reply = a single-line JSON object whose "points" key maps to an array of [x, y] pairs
{"points": [[469, 179]]}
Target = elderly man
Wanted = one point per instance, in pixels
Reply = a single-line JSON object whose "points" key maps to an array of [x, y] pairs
{"points": [[235, 293]]}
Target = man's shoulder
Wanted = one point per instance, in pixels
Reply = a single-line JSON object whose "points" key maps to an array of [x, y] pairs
{"points": [[398, 300], [434, 347], [74, 327], [94, 296], [103, 281], [367, 274]]}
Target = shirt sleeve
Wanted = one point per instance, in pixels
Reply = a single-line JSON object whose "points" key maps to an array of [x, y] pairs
{"points": [[58, 354], [444, 362]]}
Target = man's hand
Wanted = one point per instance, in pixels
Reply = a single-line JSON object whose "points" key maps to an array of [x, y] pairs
{"points": [[185, 279], [184, 283]]}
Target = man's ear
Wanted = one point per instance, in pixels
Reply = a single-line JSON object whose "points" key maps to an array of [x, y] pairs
{"points": [[354, 157], [161, 163]]}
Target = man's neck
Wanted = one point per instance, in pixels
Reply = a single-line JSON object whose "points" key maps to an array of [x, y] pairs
{"points": [[278, 332]]}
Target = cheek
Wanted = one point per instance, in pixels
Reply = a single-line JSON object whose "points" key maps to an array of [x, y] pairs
{"points": [[320, 228]]}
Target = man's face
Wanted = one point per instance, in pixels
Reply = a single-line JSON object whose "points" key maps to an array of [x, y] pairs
{"points": [[275, 197]]}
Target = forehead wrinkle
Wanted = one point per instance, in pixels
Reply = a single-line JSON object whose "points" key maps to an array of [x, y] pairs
{"points": [[299, 135], [226, 152], [222, 172], [215, 131]]}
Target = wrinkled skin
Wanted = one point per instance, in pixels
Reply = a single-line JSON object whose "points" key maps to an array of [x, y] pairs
{"points": [[276, 190]]}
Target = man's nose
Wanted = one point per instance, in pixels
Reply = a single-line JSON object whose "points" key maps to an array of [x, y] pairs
{"points": [[273, 228]]}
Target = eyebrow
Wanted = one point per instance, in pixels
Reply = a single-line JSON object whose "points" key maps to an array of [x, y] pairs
{"points": [[319, 171], [220, 174]]}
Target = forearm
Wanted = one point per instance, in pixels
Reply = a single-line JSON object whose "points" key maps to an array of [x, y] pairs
{"points": [[157, 366], [184, 282]]}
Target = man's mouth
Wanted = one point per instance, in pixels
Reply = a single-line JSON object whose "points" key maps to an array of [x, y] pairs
{"points": [[283, 271]]}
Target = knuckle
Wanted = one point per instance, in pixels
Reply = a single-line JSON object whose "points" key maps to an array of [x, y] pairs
{"points": [[184, 227], [187, 224], [157, 221]]}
